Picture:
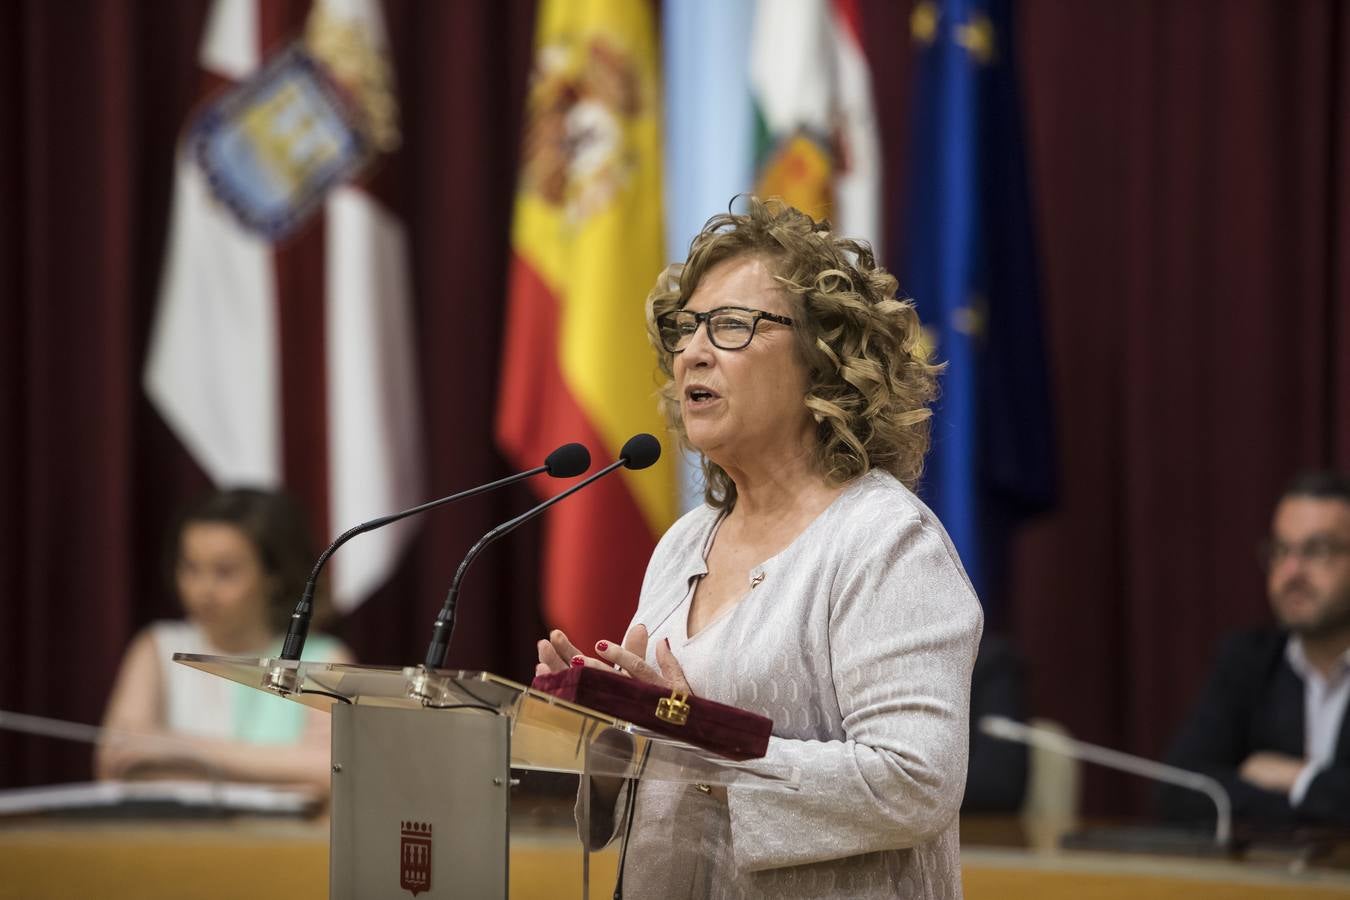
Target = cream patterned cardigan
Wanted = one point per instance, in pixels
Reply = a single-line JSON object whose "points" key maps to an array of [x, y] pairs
{"points": [[858, 641]]}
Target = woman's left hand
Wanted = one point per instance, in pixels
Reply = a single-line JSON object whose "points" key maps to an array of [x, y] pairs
{"points": [[558, 653], [631, 659], [628, 658]]}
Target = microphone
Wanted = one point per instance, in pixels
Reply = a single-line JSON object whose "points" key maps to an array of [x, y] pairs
{"points": [[44, 726], [1008, 730], [640, 451], [567, 461]]}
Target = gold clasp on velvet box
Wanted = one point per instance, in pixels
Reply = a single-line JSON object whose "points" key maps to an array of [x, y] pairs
{"points": [[673, 709]]}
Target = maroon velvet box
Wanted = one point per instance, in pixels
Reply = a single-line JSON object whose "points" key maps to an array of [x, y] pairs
{"points": [[726, 730]]}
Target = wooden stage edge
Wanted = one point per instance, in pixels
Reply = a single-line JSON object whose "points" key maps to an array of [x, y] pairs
{"points": [[230, 860]]}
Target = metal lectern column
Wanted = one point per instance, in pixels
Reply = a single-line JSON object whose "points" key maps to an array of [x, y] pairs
{"points": [[421, 800]]}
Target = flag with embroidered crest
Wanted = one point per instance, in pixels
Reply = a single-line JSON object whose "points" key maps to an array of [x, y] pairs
{"points": [[281, 351], [819, 148]]}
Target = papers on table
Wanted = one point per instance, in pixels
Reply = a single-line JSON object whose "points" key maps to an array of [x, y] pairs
{"points": [[167, 799]]}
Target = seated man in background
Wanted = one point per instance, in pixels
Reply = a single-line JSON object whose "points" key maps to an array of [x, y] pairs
{"points": [[1271, 725]]}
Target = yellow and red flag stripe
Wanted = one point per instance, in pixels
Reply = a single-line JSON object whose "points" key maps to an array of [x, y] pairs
{"points": [[586, 249]]}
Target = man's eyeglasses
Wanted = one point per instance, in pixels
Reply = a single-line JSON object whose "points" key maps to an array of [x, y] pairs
{"points": [[1318, 551], [729, 327]]}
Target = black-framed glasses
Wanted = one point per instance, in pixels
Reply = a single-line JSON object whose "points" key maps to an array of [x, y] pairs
{"points": [[729, 327], [1319, 551]]}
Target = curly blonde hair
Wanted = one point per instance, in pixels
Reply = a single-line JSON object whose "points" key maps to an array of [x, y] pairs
{"points": [[870, 382]]}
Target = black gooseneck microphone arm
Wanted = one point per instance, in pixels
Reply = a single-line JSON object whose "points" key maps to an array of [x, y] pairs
{"points": [[639, 452], [565, 462]]}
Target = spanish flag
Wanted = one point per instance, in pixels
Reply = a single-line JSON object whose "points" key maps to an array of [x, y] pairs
{"points": [[586, 249]]}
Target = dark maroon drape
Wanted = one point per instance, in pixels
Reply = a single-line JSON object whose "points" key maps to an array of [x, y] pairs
{"points": [[462, 71], [1191, 174], [1192, 183], [94, 94]]}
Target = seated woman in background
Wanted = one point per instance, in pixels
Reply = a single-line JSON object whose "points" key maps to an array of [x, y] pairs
{"points": [[240, 560]]}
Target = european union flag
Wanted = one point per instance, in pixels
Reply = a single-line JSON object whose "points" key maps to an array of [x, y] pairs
{"points": [[970, 265]]}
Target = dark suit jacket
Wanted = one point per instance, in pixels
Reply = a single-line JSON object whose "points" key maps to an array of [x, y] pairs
{"points": [[1254, 702], [997, 778]]}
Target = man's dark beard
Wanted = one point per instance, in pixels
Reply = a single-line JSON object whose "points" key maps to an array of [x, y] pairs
{"points": [[1332, 621]]}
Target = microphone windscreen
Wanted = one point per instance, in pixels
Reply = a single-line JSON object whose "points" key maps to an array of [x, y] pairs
{"points": [[640, 451], [568, 460]]}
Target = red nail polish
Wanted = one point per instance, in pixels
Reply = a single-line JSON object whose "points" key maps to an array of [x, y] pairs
{"points": [[667, 643], [578, 662], [602, 646]]}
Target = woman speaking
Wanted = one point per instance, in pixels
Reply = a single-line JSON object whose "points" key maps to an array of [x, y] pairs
{"points": [[812, 586]]}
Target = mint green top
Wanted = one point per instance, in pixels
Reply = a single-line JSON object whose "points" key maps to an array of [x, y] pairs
{"points": [[263, 718], [200, 704]]}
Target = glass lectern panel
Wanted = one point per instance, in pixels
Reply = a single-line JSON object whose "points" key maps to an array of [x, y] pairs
{"points": [[547, 734]]}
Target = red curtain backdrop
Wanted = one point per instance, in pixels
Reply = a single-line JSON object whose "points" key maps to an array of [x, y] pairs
{"points": [[94, 94], [1191, 174]]}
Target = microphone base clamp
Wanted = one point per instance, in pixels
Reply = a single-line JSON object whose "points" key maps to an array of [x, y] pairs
{"points": [[283, 677], [427, 687]]}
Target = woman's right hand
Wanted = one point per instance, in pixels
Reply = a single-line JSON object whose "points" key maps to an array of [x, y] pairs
{"points": [[129, 755]]}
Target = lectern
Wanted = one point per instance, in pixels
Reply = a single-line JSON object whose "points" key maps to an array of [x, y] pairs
{"points": [[422, 765]]}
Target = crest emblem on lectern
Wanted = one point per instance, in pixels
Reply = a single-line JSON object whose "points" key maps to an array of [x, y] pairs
{"points": [[414, 871]]}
